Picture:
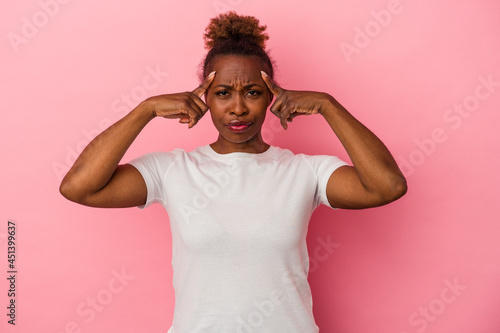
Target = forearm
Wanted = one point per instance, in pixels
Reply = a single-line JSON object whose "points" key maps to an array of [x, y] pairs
{"points": [[374, 164], [96, 164]]}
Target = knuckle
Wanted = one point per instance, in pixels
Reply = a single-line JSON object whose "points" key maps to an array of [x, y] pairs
{"points": [[194, 114], [184, 104]]}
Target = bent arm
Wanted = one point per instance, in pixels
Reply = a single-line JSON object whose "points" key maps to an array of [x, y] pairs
{"points": [[96, 179], [375, 178]]}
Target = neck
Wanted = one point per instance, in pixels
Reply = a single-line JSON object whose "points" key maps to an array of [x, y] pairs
{"points": [[255, 146]]}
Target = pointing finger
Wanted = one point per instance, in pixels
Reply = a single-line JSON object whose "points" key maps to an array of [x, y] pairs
{"points": [[273, 87], [204, 86]]}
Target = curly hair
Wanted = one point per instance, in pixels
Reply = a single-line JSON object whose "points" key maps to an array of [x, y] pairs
{"points": [[233, 34]]}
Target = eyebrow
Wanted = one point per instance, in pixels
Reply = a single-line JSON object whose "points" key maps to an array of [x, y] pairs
{"points": [[231, 87]]}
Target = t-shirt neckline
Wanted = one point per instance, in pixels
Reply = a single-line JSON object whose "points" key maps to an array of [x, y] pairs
{"points": [[211, 152]]}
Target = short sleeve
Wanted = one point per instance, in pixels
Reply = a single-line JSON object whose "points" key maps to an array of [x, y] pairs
{"points": [[153, 167], [323, 166]]}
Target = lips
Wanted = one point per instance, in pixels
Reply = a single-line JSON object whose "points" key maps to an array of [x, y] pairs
{"points": [[238, 126], [239, 123]]}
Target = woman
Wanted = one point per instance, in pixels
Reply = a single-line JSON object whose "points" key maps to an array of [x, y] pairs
{"points": [[238, 207]]}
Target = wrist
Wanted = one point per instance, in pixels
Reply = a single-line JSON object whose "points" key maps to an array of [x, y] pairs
{"points": [[146, 110], [330, 106]]}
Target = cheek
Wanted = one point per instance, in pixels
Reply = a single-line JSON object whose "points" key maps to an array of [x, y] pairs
{"points": [[264, 104], [213, 106], [260, 111], [216, 115]]}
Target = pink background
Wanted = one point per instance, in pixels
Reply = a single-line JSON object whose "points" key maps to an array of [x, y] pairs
{"points": [[426, 263]]}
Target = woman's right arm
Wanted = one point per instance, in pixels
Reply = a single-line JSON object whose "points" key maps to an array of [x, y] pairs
{"points": [[96, 179]]}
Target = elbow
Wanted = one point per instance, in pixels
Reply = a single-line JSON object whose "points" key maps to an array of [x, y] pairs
{"points": [[65, 189], [396, 190], [400, 188], [389, 191], [69, 190]]}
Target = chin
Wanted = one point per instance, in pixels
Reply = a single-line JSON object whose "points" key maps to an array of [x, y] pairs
{"points": [[239, 137]]}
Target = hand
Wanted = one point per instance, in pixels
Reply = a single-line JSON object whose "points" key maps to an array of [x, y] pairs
{"points": [[290, 104], [188, 106]]}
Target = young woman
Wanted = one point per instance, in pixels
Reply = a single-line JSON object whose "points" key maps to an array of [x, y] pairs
{"points": [[239, 208]]}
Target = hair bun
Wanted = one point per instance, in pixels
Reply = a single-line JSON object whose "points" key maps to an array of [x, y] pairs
{"points": [[231, 26]]}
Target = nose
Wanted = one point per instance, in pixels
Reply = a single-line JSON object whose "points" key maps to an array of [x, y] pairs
{"points": [[239, 107]]}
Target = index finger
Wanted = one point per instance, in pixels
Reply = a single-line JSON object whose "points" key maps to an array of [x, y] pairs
{"points": [[273, 87], [204, 86]]}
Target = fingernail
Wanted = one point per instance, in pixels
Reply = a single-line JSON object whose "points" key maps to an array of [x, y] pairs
{"points": [[264, 73], [211, 74]]}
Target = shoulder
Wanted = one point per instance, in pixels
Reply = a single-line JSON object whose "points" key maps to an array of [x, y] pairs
{"points": [[162, 155], [281, 152], [316, 164], [309, 159], [158, 160], [321, 165]]}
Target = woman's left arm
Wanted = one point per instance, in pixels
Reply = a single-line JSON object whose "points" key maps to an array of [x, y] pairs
{"points": [[374, 179]]}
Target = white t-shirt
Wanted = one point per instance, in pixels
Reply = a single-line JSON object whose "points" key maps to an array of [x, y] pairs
{"points": [[239, 223]]}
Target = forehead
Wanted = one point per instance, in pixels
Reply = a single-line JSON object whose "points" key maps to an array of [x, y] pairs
{"points": [[237, 69]]}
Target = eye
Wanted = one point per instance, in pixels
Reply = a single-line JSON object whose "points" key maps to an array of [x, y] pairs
{"points": [[254, 93], [222, 93]]}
